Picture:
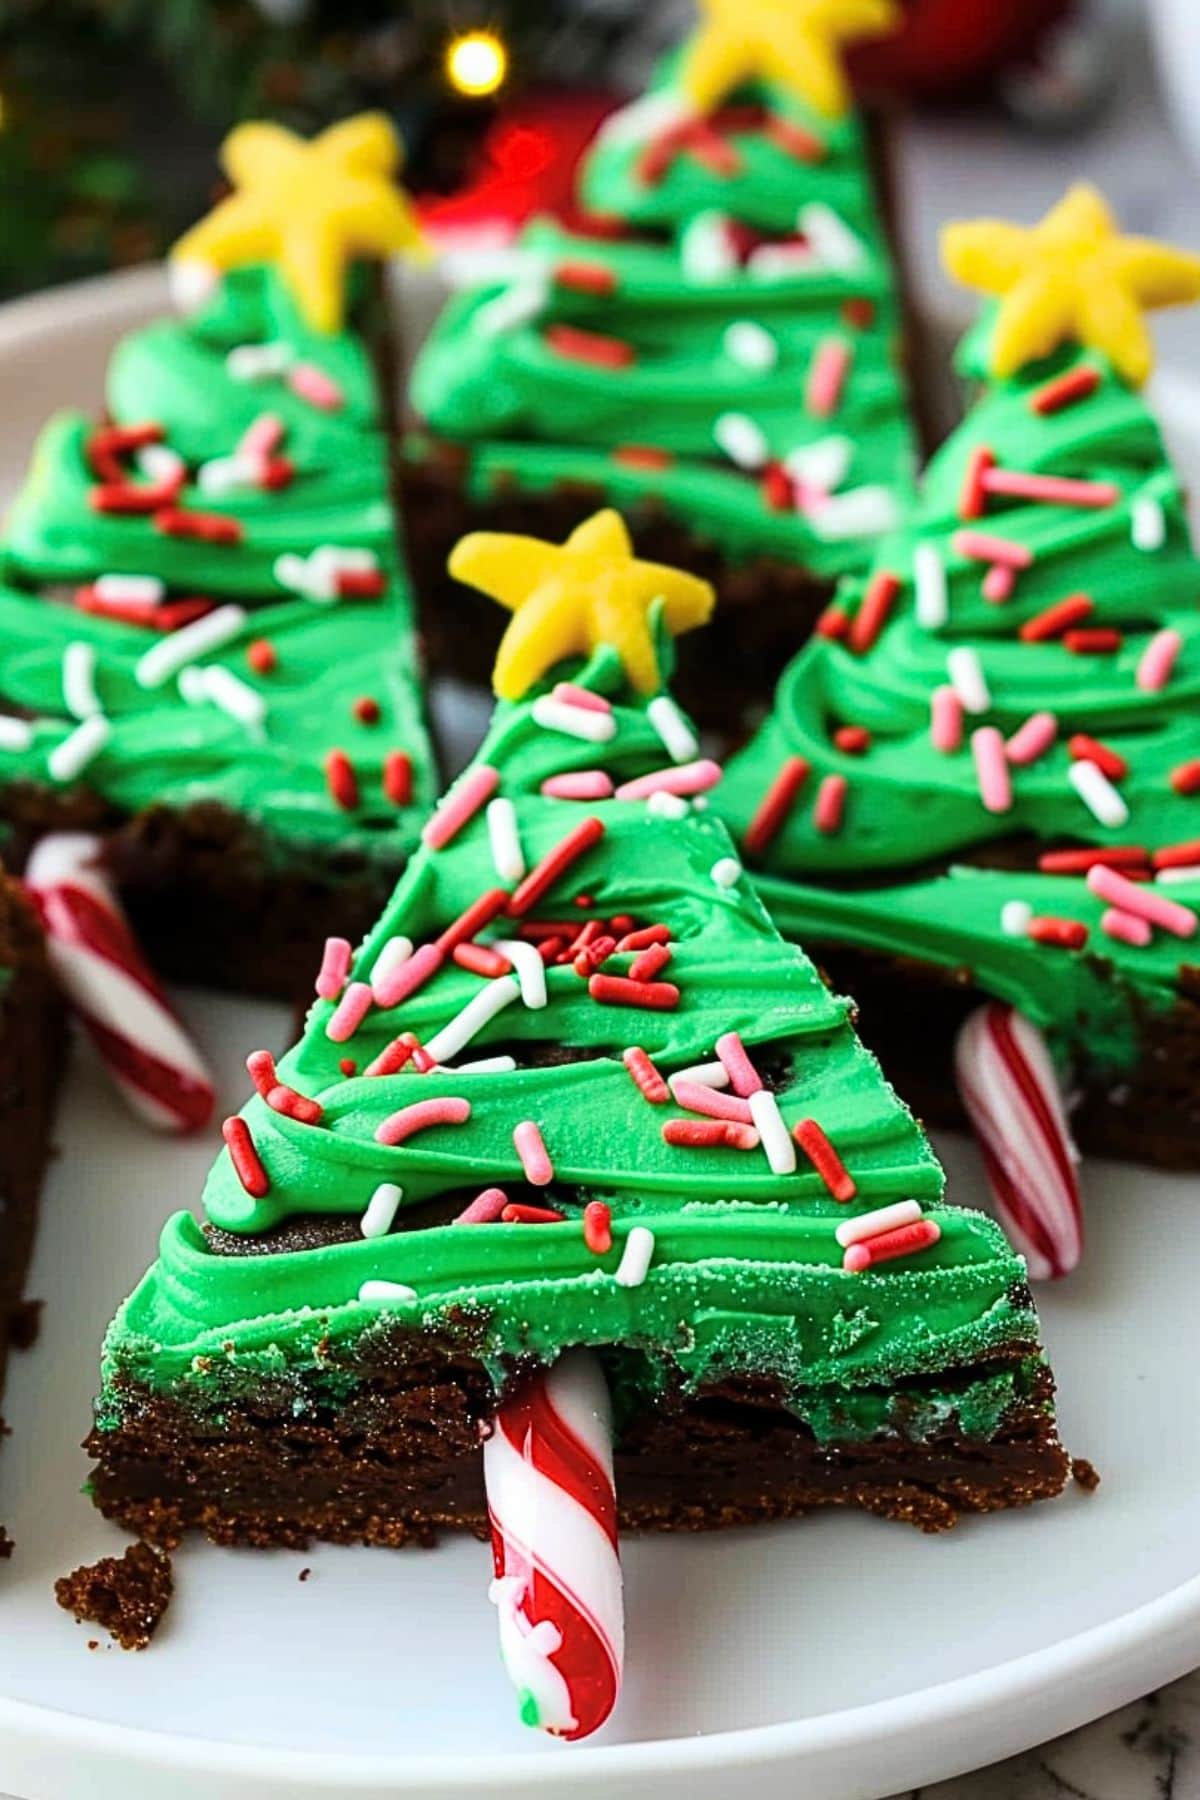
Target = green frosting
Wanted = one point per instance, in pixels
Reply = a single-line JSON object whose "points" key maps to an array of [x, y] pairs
{"points": [[909, 804], [745, 1274], [502, 375], [162, 747]]}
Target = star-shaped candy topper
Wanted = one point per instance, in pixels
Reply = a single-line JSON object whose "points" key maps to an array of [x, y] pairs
{"points": [[310, 206], [567, 599], [1070, 278], [796, 44]]}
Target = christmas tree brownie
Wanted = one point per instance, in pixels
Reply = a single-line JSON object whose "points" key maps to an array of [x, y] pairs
{"points": [[209, 644], [979, 780], [574, 1090], [719, 355]]}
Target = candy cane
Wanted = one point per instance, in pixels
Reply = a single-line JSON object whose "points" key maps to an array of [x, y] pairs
{"points": [[106, 978], [1010, 1090], [548, 1469]]}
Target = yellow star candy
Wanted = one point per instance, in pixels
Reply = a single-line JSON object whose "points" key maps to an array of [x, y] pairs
{"points": [[1070, 278], [567, 599], [311, 206], [794, 43]]}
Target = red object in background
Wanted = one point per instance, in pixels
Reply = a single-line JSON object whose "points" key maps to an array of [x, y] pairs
{"points": [[948, 46]]}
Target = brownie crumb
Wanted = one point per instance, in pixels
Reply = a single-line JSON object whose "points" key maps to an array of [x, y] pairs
{"points": [[6, 1545], [304, 1575], [1086, 1474], [127, 1594]]}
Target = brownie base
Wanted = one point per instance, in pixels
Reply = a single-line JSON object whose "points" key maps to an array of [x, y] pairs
{"points": [[909, 1014], [400, 1461], [213, 902]]}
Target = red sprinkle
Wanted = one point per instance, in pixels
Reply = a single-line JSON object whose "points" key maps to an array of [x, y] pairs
{"points": [[642, 456], [794, 140], [551, 948], [481, 912], [205, 527], [647, 964], [646, 1076], [397, 777], [972, 499], [834, 623], [1082, 748], [885, 1246], [361, 584], [1064, 934], [554, 864], [582, 277], [261, 656], [619, 990], [642, 939], [481, 959], [247, 1165], [830, 804], [852, 740], [1177, 856], [1057, 618], [1078, 862], [1185, 777], [129, 497], [825, 1160], [775, 805], [872, 615], [348, 1066], [394, 1056], [1100, 641], [777, 488], [163, 615], [592, 347], [515, 1213], [707, 1134], [859, 312], [108, 442], [597, 1227], [341, 780], [1064, 390], [366, 709]]}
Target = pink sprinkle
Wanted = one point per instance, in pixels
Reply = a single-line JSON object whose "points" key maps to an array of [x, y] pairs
{"points": [[449, 1109], [485, 1209], [579, 784], [998, 584], [461, 804], [350, 1012], [408, 976], [946, 719], [1126, 926], [312, 384], [1056, 490], [695, 1097], [1032, 739], [827, 377], [1144, 901], [571, 694], [335, 966], [985, 546], [830, 803], [684, 778], [991, 769], [1158, 659], [262, 437], [531, 1149], [743, 1076]]}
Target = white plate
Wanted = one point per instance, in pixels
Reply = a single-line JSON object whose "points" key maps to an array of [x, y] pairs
{"points": [[841, 1656]]}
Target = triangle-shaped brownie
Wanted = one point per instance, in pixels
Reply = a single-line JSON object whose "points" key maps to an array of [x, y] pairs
{"points": [[573, 1090]]}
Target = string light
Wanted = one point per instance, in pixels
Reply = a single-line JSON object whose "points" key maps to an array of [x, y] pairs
{"points": [[476, 63]]}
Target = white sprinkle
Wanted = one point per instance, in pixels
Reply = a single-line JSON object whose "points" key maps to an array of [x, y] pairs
{"points": [[222, 474], [79, 679], [832, 239], [488, 1065], [860, 512], [1181, 872], [743, 442], [1015, 916], [709, 1074], [726, 872], [258, 362], [645, 117], [508, 859], [15, 734], [146, 590], [871, 1224], [779, 262], [183, 646], [776, 1139], [750, 344], [381, 1210], [72, 756], [158, 462], [1147, 523], [968, 679], [316, 575], [480, 1009], [235, 696], [516, 306], [667, 806], [1098, 793], [475, 269], [573, 721], [678, 738], [929, 581], [824, 464], [529, 969], [190, 281], [397, 950], [193, 686], [386, 1290], [706, 251], [635, 1258]]}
